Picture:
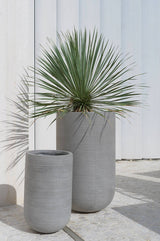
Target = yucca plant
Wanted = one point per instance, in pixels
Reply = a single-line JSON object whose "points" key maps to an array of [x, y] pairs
{"points": [[84, 73]]}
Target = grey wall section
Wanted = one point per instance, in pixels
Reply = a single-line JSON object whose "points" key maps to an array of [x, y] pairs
{"points": [[92, 141]]}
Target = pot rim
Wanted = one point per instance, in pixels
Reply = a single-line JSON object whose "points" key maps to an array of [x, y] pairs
{"points": [[80, 112], [51, 153]]}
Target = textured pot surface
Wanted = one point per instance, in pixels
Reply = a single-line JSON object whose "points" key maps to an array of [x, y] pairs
{"points": [[48, 189], [92, 142]]}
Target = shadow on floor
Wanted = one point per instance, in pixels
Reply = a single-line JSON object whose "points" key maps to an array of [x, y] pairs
{"points": [[147, 214], [155, 174], [13, 216], [145, 188], [10, 213]]}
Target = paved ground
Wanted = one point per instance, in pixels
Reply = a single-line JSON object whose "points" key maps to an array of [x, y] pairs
{"points": [[134, 214]]}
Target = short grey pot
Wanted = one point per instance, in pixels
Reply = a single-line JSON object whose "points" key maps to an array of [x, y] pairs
{"points": [[92, 142], [48, 189]]}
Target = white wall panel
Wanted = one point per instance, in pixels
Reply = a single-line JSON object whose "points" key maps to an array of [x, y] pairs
{"points": [[131, 43], [17, 48], [67, 15], [89, 14], [3, 79], [110, 20], [110, 26], [151, 66], [45, 27]]}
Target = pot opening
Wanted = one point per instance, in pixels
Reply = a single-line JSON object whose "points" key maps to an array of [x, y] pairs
{"points": [[52, 154], [49, 153]]}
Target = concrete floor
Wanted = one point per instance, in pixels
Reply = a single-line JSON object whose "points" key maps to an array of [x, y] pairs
{"points": [[134, 214]]}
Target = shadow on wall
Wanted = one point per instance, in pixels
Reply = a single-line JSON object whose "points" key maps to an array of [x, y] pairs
{"points": [[15, 128], [7, 195]]}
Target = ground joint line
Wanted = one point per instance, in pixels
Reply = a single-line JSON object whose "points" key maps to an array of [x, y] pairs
{"points": [[72, 234]]}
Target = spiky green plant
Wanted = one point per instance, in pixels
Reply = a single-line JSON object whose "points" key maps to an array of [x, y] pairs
{"points": [[84, 73]]}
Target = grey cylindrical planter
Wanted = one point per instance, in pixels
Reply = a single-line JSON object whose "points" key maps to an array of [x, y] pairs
{"points": [[92, 142], [48, 189]]}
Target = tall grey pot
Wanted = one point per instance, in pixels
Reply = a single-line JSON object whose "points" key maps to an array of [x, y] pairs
{"points": [[92, 142], [48, 189]]}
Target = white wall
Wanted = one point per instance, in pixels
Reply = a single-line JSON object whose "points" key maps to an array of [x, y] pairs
{"points": [[16, 52], [131, 24]]}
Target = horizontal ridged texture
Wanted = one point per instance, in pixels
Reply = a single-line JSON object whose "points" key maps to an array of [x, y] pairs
{"points": [[48, 190], [92, 142]]}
